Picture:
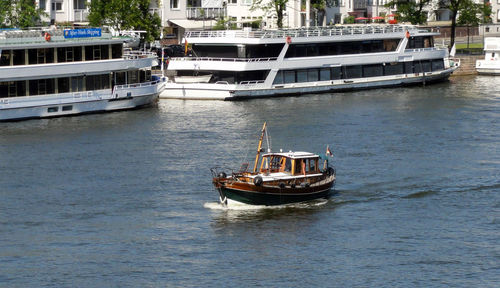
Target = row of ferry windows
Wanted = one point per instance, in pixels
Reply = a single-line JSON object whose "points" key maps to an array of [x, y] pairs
{"points": [[60, 55], [71, 84], [357, 71], [341, 48]]}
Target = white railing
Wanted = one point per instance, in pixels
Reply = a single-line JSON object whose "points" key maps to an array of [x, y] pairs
{"points": [[304, 32], [138, 55], [213, 59]]}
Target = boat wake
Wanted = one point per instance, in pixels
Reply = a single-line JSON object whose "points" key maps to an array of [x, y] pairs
{"points": [[244, 207]]}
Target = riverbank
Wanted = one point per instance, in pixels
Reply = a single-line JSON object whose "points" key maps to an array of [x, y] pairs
{"points": [[467, 64]]}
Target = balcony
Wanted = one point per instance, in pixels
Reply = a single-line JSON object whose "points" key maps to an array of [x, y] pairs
{"points": [[81, 15], [205, 13]]}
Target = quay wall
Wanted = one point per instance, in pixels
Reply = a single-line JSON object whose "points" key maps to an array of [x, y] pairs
{"points": [[467, 64]]}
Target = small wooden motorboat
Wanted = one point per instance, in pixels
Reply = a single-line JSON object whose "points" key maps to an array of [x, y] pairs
{"points": [[283, 178]]}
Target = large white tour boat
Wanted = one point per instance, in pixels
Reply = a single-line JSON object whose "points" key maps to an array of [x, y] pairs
{"points": [[491, 62], [243, 64], [51, 73]]}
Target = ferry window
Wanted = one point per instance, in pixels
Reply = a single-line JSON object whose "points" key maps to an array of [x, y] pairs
{"points": [[390, 44], [302, 76], [77, 53], [52, 109], [279, 78], [132, 77], [232, 2], [116, 51], [324, 74], [67, 108], [104, 81], [32, 56], [336, 73], [4, 88], [148, 75], [33, 87], [21, 88], [426, 65], [312, 50], [104, 51], [353, 72], [289, 76], [408, 67], [12, 89], [120, 78], [19, 57], [373, 70], [63, 85], [142, 76], [5, 58], [437, 65], [312, 75], [393, 68], [77, 84]]}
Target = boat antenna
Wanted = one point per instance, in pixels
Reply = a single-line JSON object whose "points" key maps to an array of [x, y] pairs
{"points": [[259, 147], [268, 143]]}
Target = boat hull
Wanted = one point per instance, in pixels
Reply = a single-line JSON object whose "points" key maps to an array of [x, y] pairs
{"points": [[264, 195]]}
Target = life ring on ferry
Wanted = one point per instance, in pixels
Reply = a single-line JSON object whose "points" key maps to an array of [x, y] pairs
{"points": [[47, 36], [288, 40], [407, 34]]}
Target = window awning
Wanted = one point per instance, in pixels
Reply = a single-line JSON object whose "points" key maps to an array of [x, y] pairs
{"points": [[192, 24]]}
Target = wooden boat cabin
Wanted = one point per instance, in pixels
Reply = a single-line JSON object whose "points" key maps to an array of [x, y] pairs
{"points": [[291, 163]]}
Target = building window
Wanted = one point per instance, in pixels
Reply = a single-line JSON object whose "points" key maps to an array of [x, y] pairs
{"points": [[42, 5], [57, 6], [232, 2], [174, 4], [247, 2]]}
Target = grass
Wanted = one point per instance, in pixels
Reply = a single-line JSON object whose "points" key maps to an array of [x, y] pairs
{"points": [[471, 45]]}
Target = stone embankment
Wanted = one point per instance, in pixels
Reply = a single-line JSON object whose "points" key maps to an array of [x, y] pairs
{"points": [[467, 64]]}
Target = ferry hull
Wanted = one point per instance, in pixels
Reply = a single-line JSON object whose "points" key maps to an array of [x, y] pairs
{"points": [[98, 103], [240, 92]]}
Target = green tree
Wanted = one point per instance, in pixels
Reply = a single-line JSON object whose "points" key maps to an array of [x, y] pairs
{"points": [[277, 6], [5, 7], [125, 15], [472, 14], [28, 15], [410, 11]]}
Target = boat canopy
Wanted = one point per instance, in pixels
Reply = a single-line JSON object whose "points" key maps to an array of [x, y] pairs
{"points": [[294, 163], [293, 155]]}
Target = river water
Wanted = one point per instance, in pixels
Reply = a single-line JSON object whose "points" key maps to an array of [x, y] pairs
{"points": [[126, 200]]}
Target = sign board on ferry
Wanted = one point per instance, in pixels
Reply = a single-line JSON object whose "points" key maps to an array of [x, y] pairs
{"points": [[82, 33]]}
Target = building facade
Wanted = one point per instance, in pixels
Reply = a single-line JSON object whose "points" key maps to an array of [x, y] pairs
{"points": [[180, 15]]}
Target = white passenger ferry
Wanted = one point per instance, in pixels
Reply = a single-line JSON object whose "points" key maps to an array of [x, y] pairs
{"points": [[50, 73], [491, 62], [229, 65]]}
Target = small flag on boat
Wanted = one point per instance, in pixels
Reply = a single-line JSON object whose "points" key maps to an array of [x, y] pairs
{"points": [[185, 46], [328, 151]]}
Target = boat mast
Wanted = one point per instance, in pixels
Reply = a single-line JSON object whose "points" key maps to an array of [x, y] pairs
{"points": [[259, 148]]}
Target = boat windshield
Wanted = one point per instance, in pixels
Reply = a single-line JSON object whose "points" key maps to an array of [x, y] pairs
{"points": [[280, 163]]}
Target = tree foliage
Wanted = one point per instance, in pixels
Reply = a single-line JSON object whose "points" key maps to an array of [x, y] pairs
{"points": [[410, 11], [20, 13], [125, 15], [276, 6]]}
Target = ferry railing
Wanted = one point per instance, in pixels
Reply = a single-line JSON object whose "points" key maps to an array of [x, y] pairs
{"points": [[213, 59], [304, 32], [138, 55]]}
